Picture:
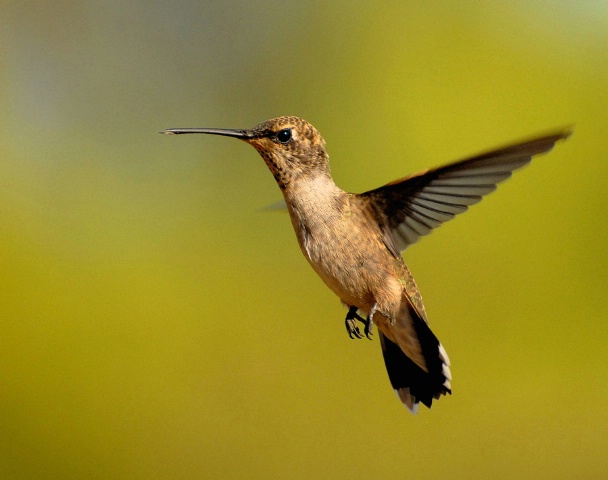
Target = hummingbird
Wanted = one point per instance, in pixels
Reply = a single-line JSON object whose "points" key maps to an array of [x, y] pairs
{"points": [[354, 241]]}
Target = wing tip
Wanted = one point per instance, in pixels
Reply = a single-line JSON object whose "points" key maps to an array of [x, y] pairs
{"points": [[564, 132], [545, 142]]}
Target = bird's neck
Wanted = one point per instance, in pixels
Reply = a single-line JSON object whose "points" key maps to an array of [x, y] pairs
{"points": [[314, 196]]}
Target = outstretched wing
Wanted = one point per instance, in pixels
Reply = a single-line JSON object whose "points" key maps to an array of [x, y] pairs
{"points": [[412, 207]]}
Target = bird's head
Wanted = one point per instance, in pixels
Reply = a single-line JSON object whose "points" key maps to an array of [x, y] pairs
{"points": [[290, 146]]}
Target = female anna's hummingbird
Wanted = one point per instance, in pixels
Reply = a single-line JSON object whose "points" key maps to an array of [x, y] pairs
{"points": [[354, 241]]}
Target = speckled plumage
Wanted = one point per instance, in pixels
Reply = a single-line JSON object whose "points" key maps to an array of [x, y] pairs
{"points": [[354, 241]]}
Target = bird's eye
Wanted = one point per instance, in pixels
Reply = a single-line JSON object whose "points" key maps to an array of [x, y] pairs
{"points": [[284, 135]]}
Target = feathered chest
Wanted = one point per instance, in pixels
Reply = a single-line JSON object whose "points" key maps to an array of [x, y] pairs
{"points": [[320, 213], [332, 229]]}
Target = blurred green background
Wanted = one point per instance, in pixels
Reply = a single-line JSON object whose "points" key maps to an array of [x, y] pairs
{"points": [[156, 323]]}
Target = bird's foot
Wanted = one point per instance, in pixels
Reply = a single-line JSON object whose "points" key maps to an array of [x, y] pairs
{"points": [[351, 323], [368, 328], [369, 321]]}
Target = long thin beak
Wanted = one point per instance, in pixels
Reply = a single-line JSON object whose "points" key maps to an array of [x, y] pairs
{"points": [[242, 134]]}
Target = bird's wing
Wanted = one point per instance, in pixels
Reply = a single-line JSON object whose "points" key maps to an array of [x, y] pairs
{"points": [[279, 206], [412, 207]]}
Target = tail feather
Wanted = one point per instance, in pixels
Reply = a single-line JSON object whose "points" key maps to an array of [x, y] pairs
{"points": [[412, 383]]}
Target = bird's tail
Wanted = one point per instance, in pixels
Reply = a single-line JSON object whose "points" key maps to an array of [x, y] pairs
{"points": [[417, 364]]}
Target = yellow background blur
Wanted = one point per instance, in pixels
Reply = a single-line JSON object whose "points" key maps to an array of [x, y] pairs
{"points": [[156, 323]]}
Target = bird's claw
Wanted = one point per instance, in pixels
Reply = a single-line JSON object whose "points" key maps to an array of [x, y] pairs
{"points": [[369, 321], [368, 327], [351, 324], [352, 328]]}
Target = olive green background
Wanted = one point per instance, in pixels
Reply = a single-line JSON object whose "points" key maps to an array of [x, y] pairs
{"points": [[156, 323]]}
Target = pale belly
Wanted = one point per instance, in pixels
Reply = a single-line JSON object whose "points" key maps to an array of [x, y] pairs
{"points": [[344, 245], [352, 262]]}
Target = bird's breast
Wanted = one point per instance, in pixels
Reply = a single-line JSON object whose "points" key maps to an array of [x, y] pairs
{"points": [[342, 245]]}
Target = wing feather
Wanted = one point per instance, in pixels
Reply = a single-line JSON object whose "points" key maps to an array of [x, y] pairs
{"points": [[412, 207]]}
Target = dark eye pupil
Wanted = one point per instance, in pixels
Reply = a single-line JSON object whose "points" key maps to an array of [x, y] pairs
{"points": [[284, 135]]}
